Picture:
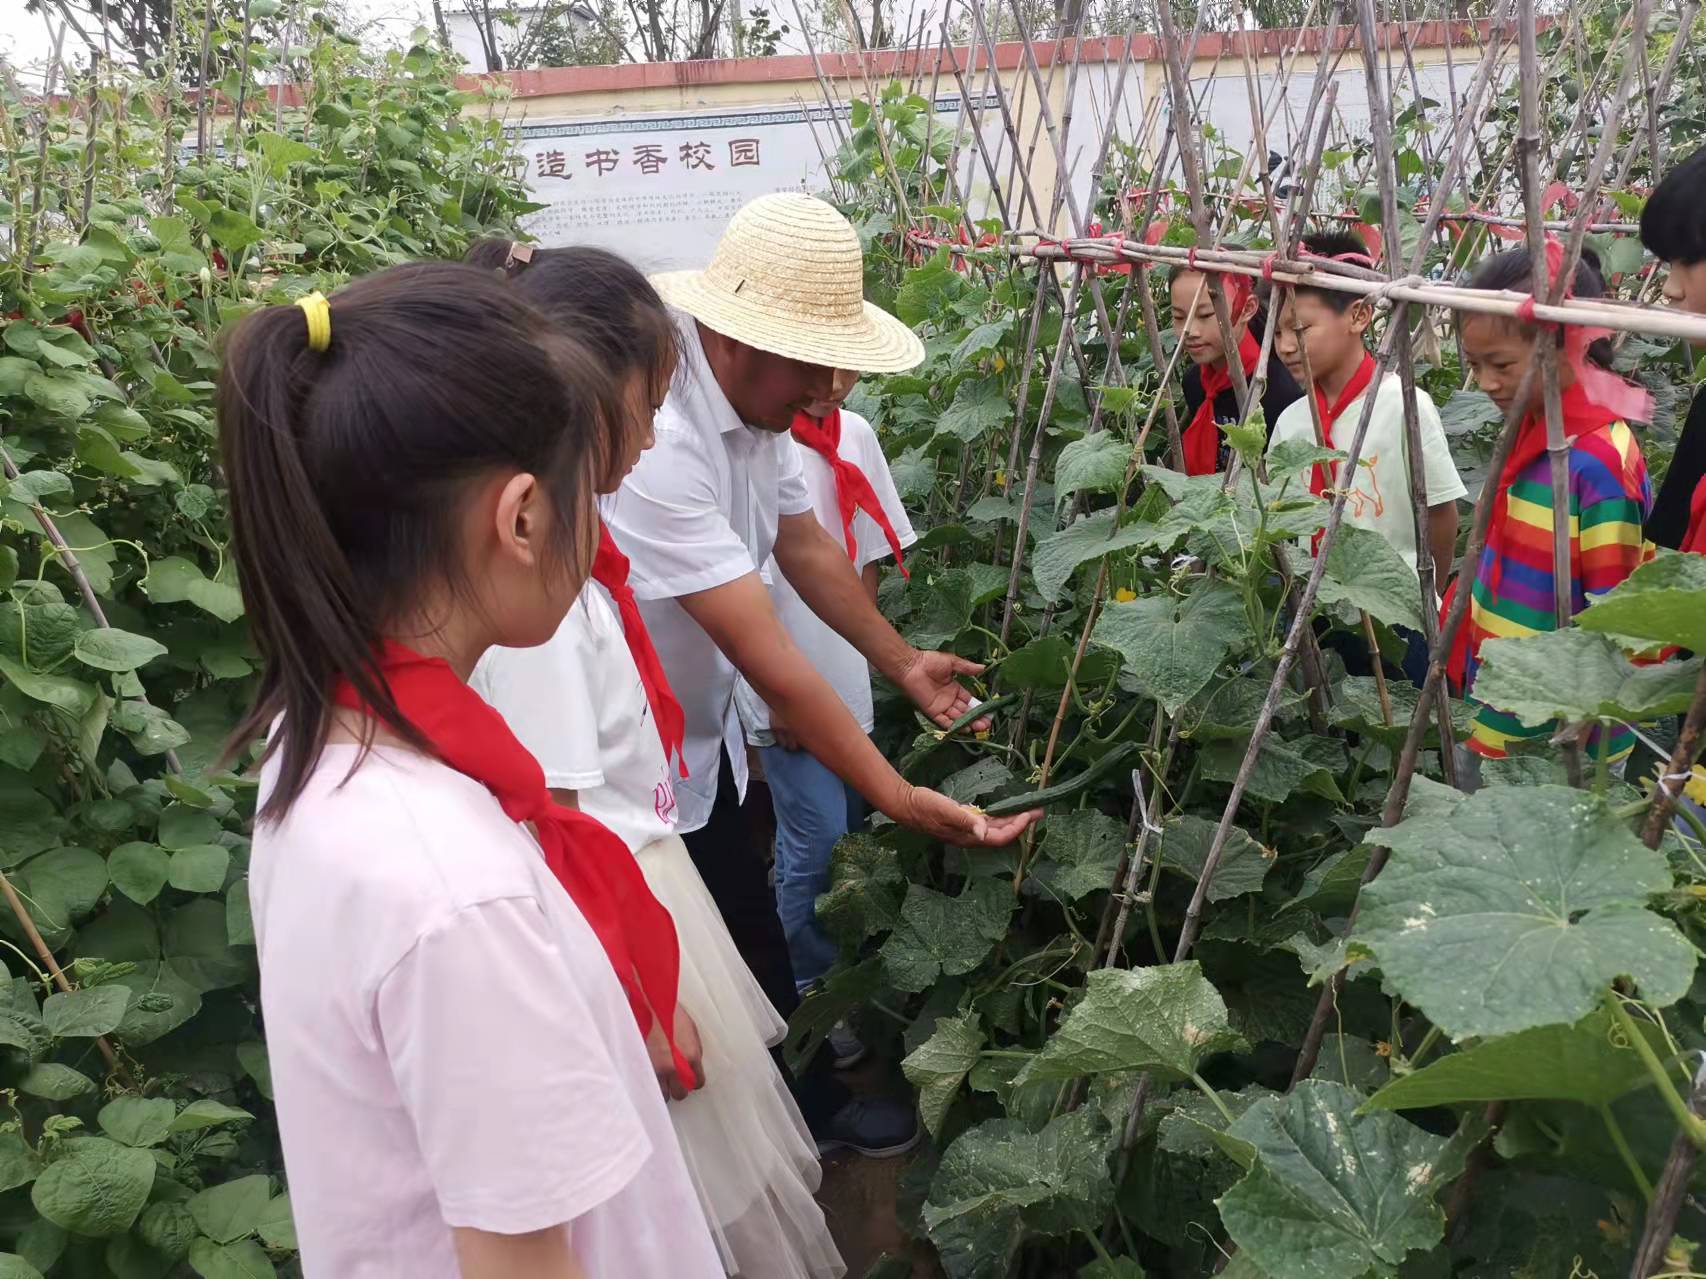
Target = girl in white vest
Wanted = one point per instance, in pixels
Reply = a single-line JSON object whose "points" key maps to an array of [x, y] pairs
{"points": [[594, 706]]}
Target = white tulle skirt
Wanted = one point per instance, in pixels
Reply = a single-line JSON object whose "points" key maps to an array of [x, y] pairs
{"points": [[753, 1163]]}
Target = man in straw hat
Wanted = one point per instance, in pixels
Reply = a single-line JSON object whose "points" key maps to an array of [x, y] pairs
{"points": [[764, 331]]}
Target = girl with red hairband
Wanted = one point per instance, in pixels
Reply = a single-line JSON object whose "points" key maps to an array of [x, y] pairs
{"points": [[1211, 400], [1610, 494]]}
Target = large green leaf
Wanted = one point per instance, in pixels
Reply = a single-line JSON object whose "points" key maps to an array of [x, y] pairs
{"points": [[1244, 863], [1579, 675], [95, 1187], [979, 407], [1364, 571], [109, 649], [1087, 538], [198, 948], [939, 1065], [139, 870], [865, 888], [138, 1121], [70, 695], [1166, 1019], [58, 887], [1516, 909], [1081, 850], [244, 1259], [1174, 646], [1662, 602], [85, 1013], [941, 936], [941, 606], [1093, 464], [1334, 1194], [19, 1164], [199, 868], [175, 579], [1589, 1062], [999, 1180], [1282, 767], [232, 1210]]}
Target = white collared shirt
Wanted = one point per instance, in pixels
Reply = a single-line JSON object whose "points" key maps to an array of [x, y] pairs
{"points": [[701, 510], [842, 665]]}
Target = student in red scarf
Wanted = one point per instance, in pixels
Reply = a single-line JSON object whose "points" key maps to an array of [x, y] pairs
{"points": [[853, 497], [1321, 336], [1211, 399], [1610, 493], [594, 706], [430, 922]]}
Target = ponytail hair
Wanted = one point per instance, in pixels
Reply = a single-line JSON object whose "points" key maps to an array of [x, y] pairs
{"points": [[596, 296], [1513, 272], [348, 467]]}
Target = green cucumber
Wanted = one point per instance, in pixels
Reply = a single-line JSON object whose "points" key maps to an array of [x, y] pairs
{"points": [[965, 721], [1064, 790]]}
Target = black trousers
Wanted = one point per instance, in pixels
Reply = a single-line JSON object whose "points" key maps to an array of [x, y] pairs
{"points": [[732, 864]]}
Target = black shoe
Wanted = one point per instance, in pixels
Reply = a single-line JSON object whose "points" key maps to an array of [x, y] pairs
{"points": [[873, 1126]]}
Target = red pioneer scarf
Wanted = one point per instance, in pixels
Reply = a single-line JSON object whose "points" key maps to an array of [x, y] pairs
{"points": [[610, 570], [1695, 538], [853, 492], [595, 867], [1330, 414], [1202, 436]]}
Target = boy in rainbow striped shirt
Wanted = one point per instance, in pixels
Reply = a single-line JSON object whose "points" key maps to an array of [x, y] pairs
{"points": [[1609, 492]]}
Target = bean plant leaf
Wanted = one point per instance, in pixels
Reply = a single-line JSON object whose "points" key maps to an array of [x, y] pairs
{"points": [[941, 936], [1516, 911], [55, 1081], [207, 1113], [1174, 646], [233, 1209], [1579, 675], [1089, 537], [13, 1266], [939, 1065], [277, 1227], [139, 870], [1662, 602], [1094, 464], [244, 1259], [1165, 1019], [1244, 863], [138, 1121], [865, 890], [1334, 1194], [95, 1187], [199, 868], [1589, 1062], [1081, 850], [998, 1181], [19, 1163], [85, 1013], [1365, 571], [109, 649]]}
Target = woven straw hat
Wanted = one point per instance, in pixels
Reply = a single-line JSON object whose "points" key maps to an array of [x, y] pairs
{"points": [[788, 277]]}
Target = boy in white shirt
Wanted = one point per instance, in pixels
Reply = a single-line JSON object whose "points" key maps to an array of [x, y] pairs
{"points": [[853, 496], [1320, 340]]}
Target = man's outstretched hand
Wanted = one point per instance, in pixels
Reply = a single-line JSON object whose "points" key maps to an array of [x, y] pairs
{"points": [[930, 679], [954, 823]]}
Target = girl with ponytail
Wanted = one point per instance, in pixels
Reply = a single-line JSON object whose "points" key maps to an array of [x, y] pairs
{"points": [[456, 970]]}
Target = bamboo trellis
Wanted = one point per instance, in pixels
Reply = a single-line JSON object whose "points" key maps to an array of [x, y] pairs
{"points": [[1071, 265]]}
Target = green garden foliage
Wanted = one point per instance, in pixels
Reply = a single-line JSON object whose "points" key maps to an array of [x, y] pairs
{"points": [[127, 254]]}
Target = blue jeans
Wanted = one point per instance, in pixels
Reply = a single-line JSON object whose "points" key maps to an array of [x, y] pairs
{"points": [[814, 808]]}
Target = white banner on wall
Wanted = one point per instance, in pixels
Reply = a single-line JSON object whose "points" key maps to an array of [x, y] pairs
{"points": [[660, 188]]}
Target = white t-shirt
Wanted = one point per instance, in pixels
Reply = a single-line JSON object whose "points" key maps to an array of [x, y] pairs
{"points": [[1380, 494], [449, 1045], [577, 703], [701, 510], [842, 665]]}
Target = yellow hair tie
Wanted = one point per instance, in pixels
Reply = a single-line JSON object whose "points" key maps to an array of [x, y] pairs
{"points": [[319, 313]]}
